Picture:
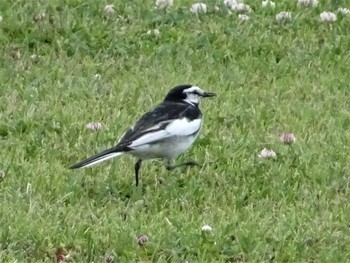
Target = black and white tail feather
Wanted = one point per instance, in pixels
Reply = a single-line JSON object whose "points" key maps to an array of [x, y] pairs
{"points": [[100, 157], [165, 132]]}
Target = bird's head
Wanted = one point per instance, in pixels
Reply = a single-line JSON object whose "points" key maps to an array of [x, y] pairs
{"points": [[189, 93]]}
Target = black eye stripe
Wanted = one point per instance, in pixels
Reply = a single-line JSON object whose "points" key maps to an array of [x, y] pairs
{"points": [[196, 92]]}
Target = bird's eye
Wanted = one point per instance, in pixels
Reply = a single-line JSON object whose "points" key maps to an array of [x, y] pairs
{"points": [[196, 93]]}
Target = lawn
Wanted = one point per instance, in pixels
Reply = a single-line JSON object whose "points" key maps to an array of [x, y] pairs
{"points": [[65, 64]]}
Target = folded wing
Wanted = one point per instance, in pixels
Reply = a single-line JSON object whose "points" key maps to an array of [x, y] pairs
{"points": [[178, 127]]}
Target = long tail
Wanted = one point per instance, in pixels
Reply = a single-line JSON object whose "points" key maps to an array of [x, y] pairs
{"points": [[100, 157]]}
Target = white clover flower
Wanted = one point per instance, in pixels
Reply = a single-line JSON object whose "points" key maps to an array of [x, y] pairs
{"points": [[154, 32], [240, 7], [142, 240], [198, 7], [268, 4], [243, 18], [288, 138], [230, 3], [109, 9], [207, 228], [1, 19], [266, 153], [312, 3], [216, 8], [284, 16], [94, 126], [328, 17], [2, 174], [162, 4], [38, 17], [344, 11]]}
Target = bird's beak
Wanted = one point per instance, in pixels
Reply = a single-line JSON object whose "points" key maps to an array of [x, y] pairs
{"points": [[209, 94]]}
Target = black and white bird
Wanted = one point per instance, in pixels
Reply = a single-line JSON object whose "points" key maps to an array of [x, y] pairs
{"points": [[164, 132]]}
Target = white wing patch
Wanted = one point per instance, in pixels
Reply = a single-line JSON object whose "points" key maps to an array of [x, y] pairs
{"points": [[180, 127], [183, 127], [156, 127]]}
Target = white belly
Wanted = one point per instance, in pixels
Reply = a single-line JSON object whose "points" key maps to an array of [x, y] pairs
{"points": [[168, 149]]}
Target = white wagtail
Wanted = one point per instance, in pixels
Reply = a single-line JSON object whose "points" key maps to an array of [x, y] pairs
{"points": [[164, 132]]}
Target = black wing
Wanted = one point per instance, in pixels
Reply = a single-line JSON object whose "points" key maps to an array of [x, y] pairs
{"points": [[157, 119]]}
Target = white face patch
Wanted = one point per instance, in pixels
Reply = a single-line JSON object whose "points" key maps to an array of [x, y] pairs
{"points": [[193, 94]]}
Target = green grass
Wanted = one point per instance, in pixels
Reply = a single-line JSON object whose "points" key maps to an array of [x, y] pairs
{"points": [[270, 78]]}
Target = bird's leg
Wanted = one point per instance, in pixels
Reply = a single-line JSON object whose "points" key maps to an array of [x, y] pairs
{"points": [[137, 168], [171, 166]]}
